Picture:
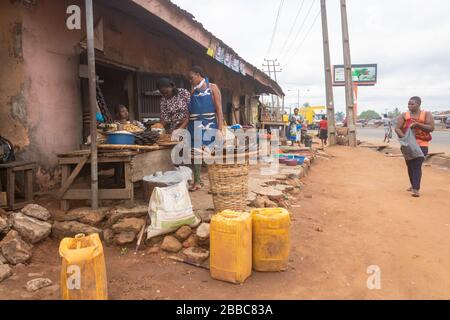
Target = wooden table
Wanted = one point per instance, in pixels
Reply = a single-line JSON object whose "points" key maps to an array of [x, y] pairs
{"points": [[12, 168], [270, 124], [136, 165]]}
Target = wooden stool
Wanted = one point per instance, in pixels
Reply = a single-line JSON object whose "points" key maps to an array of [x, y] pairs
{"points": [[11, 168]]}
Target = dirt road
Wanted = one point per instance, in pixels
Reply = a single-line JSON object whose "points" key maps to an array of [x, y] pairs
{"points": [[354, 213]]}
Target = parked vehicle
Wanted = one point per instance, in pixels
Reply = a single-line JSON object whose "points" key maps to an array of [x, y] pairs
{"points": [[313, 115], [447, 123]]}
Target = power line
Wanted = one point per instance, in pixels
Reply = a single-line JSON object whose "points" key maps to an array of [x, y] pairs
{"points": [[298, 32], [275, 27], [306, 36], [292, 27]]}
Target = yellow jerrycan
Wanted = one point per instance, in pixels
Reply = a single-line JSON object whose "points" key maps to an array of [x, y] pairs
{"points": [[231, 246], [83, 270], [271, 239]]}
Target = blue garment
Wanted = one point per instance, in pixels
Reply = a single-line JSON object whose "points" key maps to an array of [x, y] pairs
{"points": [[99, 117], [202, 109]]}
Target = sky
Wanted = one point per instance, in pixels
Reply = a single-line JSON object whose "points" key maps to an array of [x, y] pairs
{"points": [[408, 39]]}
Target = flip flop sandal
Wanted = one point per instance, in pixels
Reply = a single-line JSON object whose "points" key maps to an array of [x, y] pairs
{"points": [[195, 187]]}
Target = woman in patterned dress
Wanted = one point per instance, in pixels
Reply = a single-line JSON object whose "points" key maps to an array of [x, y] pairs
{"points": [[174, 105]]}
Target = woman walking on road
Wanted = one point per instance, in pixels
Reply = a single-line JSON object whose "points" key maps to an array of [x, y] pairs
{"points": [[422, 124], [323, 130]]}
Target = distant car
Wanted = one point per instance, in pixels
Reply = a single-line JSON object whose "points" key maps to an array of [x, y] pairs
{"points": [[361, 122], [447, 123]]}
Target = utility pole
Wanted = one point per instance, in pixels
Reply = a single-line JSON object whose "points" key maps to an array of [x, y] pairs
{"points": [[92, 101], [328, 81], [272, 68], [348, 77]]}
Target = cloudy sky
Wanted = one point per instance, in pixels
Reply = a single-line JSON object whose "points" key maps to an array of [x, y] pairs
{"points": [[408, 39]]}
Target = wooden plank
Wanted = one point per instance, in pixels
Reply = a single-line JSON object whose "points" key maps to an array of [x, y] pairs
{"points": [[10, 187], [68, 182], [150, 162], [65, 171], [127, 147], [168, 143], [24, 167], [28, 187], [100, 160], [14, 164], [104, 194], [75, 153], [128, 183]]}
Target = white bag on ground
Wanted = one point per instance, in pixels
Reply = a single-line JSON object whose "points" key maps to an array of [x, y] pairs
{"points": [[169, 209], [171, 177], [409, 146]]}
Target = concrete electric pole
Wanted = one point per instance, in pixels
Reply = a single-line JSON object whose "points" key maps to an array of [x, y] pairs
{"points": [[328, 79], [348, 77], [272, 68]]}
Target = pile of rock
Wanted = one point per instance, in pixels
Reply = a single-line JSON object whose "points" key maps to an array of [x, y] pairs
{"points": [[193, 244], [19, 231], [119, 226]]}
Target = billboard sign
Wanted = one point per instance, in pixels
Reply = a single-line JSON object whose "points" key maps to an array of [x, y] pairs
{"points": [[363, 74]]}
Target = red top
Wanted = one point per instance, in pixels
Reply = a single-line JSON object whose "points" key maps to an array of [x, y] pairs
{"points": [[323, 124]]}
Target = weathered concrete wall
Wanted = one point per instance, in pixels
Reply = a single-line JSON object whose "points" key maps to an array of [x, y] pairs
{"points": [[40, 99], [13, 108], [53, 99]]}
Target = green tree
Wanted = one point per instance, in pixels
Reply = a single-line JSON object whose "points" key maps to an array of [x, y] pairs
{"points": [[369, 115], [394, 113], [340, 116], [306, 104]]}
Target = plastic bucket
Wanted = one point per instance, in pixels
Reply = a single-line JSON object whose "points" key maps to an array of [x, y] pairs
{"points": [[120, 138]]}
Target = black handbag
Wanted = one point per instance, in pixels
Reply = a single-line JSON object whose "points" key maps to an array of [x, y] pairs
{"points": [[6, 151]]}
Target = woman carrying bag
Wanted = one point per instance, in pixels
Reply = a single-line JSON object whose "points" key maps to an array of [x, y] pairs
{"points": [[421, 124]]}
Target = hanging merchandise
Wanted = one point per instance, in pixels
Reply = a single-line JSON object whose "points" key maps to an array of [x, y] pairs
{"points": [[236, 64], [210, 52], [102, 107], [220, 54], [242, 68], [228, 59]]}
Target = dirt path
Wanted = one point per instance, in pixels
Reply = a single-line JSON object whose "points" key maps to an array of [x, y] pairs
{"points": [[359, 215]]}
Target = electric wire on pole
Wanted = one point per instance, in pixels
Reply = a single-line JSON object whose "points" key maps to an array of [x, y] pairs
{"points": [[275, 27]]}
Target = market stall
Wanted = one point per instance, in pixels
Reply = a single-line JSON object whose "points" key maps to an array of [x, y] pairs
{"points": [[136, 163]]}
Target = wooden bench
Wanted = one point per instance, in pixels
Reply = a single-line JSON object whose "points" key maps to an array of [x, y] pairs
{"points": [[12, 168]]}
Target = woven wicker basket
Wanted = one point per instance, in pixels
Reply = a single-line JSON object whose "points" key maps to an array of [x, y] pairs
{"points": [[229, 186]]}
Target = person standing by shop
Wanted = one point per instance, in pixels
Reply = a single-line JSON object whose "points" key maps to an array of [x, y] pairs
{"points": [[323, 130], [296, 127], [206, 108], [422, 124], [174, 105]]}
